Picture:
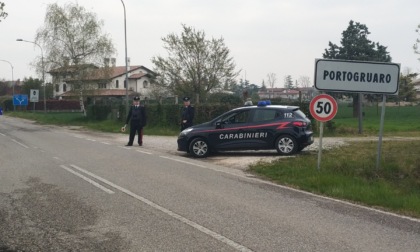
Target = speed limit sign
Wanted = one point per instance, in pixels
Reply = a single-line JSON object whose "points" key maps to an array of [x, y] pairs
{"points": [[323, 107]]}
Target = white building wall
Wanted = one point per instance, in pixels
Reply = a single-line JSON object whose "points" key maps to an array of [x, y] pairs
{"points": [[135, 85], [144, 91]]}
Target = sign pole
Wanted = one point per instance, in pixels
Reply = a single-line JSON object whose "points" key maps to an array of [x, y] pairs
{"points": [[360, 113], [381, 131], [321, 133], [323, 108]]}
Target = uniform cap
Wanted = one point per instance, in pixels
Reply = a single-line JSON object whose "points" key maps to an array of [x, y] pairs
{"points": [[186, 98], [136, 98]]}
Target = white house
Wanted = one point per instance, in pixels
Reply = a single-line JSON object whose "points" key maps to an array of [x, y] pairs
{"points": [[113, 85]]}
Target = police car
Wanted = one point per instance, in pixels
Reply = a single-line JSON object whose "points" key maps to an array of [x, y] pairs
{"points": [[265, 126]]}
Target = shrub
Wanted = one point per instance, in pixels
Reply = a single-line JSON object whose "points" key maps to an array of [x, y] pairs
{"points": [[98, 112]]}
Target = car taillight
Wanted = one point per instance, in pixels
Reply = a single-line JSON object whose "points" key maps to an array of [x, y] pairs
{"points": [[299, 124]]}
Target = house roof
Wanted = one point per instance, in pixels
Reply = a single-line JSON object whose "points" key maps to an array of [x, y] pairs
{"points": [[98, 92], [120, 70], [102, 73], [139, 75], [291, 92], [281, 91]]}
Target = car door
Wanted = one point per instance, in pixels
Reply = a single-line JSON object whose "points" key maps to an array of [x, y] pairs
{"points": [[264, 124], [231, 130]]}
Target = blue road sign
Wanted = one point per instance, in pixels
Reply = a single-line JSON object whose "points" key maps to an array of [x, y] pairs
{"points": [[20, 100]]}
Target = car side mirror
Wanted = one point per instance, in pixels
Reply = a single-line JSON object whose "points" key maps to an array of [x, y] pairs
{"points": [[218, 125]]}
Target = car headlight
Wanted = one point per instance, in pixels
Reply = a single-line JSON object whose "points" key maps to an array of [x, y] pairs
{"points": [[185, 132]]}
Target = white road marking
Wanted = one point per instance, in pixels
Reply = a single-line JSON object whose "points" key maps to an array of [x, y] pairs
{"points": [[106, 143], [90, 139], [87, 179], [182, 161], [182, 219], [1, 134], [21, 144], [144, 152], [58, 158]]}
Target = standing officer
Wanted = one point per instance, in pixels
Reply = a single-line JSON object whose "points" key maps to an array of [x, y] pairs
{"points": [[137, 118], [187, 114]]}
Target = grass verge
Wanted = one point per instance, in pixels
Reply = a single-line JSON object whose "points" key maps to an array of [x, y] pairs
{"points": [[77, 119], [350, 173]]}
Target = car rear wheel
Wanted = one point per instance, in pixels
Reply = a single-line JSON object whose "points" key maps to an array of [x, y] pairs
{"points": [[199, 148], [286, 145]]}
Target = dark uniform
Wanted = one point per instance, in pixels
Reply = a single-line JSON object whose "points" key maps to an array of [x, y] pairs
{"points": [[137, 118], [187, 114]]}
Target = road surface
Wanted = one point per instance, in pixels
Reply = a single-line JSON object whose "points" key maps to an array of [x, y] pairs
{"points": [[66, 190]]}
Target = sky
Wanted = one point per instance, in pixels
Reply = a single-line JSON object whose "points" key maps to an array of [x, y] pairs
{"points": [[283, 37]]}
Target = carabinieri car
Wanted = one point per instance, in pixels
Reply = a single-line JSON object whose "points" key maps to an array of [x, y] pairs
{"points": [[284, 128]]}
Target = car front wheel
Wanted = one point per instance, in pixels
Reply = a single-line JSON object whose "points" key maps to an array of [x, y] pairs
{"points": [[286, 145], [199, 148]]}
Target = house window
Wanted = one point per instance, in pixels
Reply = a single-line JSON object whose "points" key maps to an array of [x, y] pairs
{"points": [[57, 88], [117, 83], [64, 87], [101, 85], [145, 84], [125, 83]]}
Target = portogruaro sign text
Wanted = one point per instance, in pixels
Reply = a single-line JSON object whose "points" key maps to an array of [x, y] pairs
{"points": [[356, 76]]}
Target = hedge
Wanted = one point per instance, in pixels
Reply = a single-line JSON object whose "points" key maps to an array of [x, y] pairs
{"points": [[170, 115], [51, 105]]}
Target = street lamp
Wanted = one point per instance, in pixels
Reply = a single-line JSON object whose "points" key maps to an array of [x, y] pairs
{"points": [[43, 70], [13, 84], [126, 60]]}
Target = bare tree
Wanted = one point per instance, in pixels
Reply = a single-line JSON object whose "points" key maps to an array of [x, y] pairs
{"points": [[304, 81], [75, 45], [3, 14], [416, 45], [158, 91], [272, 79]]}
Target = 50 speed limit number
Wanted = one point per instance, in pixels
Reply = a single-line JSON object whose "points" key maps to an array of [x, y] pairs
{"points": [[323, 107]]}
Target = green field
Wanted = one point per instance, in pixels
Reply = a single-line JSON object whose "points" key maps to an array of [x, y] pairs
{"points": [[398, 121]]}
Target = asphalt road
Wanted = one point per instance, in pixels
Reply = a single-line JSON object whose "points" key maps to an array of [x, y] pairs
{"points": [[63, 190]]}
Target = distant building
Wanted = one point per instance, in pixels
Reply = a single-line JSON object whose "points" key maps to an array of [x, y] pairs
{"points": [[417, 88], [287, 94]]}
